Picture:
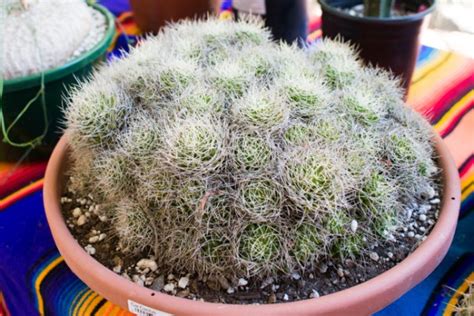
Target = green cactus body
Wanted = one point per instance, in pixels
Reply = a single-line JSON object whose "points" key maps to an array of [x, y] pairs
{"points": [[252, 152], [259, 243], [308, 244]]}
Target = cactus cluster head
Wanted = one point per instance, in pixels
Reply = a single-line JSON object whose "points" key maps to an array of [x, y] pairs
{"points": [[222, 152]]}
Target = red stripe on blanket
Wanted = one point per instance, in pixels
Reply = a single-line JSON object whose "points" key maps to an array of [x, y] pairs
{"points": [[14, 177], [454, 91]]}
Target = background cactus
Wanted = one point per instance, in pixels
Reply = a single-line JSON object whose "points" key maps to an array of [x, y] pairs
{"points": [[43, 34], [221, 152]]}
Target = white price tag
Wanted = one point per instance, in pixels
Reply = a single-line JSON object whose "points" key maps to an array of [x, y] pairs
{"points": [[250, 6], [142, 310]]}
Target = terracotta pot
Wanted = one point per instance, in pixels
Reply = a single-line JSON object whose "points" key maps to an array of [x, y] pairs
{"points": [[363, 299], [151, 15]]}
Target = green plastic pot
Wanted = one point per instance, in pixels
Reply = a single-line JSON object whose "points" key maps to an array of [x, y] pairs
{"points": [[18, 92]]}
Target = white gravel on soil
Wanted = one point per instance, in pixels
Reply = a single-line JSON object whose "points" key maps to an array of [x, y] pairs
{"points": [[146, 272]]}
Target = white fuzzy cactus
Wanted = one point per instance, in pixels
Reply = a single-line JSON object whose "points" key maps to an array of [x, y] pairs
{"points": [[42, 34], [222, 152]]}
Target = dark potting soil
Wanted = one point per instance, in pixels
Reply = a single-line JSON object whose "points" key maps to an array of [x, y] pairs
{"points": [[95, 234]]}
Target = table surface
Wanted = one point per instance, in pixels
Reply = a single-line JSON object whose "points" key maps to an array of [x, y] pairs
{"points": [[35, 279]]}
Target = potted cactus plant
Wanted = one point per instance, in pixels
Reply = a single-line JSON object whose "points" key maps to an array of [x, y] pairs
{"points": [[213, 164], [386, 32], [48, 46]]}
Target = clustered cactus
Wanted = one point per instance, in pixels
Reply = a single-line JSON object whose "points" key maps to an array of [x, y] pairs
{"points": [[222, 152]]}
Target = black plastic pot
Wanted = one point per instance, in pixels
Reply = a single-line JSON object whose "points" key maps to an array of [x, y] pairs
{"points": [[390, 43], [286, 19]]}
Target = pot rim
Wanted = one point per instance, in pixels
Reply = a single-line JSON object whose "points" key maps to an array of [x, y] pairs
{"points": [[367, 297], [20, 83], [378, 20]]}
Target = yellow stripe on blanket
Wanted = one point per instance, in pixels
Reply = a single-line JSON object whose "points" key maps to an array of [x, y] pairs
{"points": [[450, 308], [40, 279]]}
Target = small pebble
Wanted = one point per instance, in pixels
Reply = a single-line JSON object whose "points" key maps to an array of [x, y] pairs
{"points": [[149, 281], [424, 208], [147, 263], [230, 290], [409, 213], [349, 263], [390, 255], [417, 236], [295, 276], [435, 201], [391, 237], [428, 193], [90, 250], [169, 287], [411, 234], [422, 229], [354, 225], [311, 276], [374, 256], [266, 282], [81, 220], [314, 294], [76, 212], [94, 239], [170, 277], [422, 217], [243, 282], [158, 283], [272, 299], [102, 236], [102, 218], [117, 269], [285, 297], [340, 272], [183, 293], [183, 282]]}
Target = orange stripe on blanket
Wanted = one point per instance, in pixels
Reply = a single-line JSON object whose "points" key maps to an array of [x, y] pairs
{"points": [[461, 141], [126, 21], [467, 184], [124, 25], [445, 74], [12, 198]]}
